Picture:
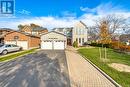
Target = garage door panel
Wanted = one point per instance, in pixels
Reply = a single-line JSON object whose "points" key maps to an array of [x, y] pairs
{"points": [[59, 45], [46, 45], [23, 44]]}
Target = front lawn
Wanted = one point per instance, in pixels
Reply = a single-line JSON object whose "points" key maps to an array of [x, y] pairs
{"points": [[92, 54], [15, 55]]}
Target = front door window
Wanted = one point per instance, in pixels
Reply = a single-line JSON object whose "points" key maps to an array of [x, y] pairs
{"points": [[82, 40]]}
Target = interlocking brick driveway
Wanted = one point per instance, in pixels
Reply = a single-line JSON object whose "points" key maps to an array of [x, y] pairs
{"points": [[41, 69], [82, 73]]}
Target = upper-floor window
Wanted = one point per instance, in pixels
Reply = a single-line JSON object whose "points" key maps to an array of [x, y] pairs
{"points": [[76, 31], [79, 31], [16, 37]]}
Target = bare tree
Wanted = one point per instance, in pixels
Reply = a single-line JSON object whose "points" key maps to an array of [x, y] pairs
{"points": [[106, 27], [112, 23], [93, 34]]}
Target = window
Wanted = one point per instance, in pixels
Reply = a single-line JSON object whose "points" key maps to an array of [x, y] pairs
{"points": [[1, 45], [8, 46], [82, 40], [14, 46], [77, 31], [16, 37], [79, 40], [82, 31]]}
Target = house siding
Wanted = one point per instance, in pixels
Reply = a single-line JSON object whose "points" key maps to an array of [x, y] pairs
{"points": [[79, 32]]}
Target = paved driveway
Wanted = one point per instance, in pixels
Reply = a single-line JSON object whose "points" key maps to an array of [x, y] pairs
{"points": [[82, 73], [41, 69]]}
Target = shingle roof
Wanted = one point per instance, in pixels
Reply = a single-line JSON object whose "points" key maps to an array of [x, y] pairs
{"points": [[7, 29], [39, 28], [83, 24], [27, 34], [54, 32]]}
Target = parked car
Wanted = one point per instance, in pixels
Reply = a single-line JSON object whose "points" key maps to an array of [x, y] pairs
{"points": [[6, 48]]}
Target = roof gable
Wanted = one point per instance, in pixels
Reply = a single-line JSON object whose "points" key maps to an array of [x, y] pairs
{"points": [[26, 34], [83, 23], [53, 32]]}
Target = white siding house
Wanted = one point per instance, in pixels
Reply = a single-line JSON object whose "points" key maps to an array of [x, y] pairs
{"points": [[53, 41], [79, 33]]}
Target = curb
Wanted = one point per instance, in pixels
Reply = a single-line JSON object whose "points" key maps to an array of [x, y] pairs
{"points": [[68, 69], [18, 56], [102, 72]]}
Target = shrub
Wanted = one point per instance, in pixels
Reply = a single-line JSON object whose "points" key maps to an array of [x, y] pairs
{"points": [[128, 48], [75, 44], [100, 45], [120, 46]]}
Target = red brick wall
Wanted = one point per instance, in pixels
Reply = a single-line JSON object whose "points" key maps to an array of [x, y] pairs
{"points": [[10, 36], [34, 42]]}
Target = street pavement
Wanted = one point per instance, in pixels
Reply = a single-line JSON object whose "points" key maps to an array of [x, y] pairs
{"points": [[41, 69]]}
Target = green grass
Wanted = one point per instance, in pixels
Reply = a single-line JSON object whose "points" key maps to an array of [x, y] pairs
{"points": [[92, 54], [16, 55]]}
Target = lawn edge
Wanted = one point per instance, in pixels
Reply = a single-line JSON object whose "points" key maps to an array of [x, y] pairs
{"points": [[18, 56], [101, 71]]}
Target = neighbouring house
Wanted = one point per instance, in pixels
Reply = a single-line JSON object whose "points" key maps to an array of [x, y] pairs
{"points": [[53, 41], [37, 31], [77, 33], [125, 38], [80, 33], [66, 31], [3, 32], [25, 40]]}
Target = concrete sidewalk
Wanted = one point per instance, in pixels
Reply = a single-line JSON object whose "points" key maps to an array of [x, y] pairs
{"points": [[82, 73]]}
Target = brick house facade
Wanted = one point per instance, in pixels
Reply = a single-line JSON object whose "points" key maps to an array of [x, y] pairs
{"points": [[25, 40], [3, 32], [37, 31]]}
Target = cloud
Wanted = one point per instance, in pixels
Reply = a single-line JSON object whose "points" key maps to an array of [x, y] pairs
{"points": [[68, 14], [49, 22], [104, 8], [24, 12], [89, 10], [68, 18]]}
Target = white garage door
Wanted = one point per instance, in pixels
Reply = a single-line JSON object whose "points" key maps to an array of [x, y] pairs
{"points": [[50, 45], [59, 45], [23, 44], [46, 45]]}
